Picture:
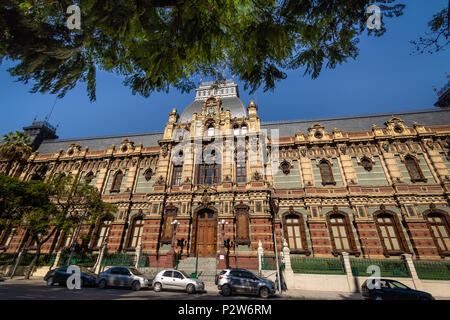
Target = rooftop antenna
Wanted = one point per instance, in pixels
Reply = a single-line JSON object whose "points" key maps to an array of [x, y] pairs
{"points": [[51, 111]]}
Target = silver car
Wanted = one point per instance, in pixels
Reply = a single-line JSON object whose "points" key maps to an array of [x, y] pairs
{"points": [[122, 277], [230, 281], [175, 279]]}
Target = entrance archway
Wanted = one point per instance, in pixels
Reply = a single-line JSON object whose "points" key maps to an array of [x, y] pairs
{"points": [[205, 233]]}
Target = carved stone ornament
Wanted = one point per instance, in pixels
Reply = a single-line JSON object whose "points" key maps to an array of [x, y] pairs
{"points": [[257, 176], [160, 181], [429, 144], [206, 200], [285, 166], [303, 152], [343, 149], [165, 151], [366, 163], [385, 147], [148, 174]]}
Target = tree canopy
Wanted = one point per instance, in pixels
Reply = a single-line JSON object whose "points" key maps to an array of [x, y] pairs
{"points": [[156, 47]]}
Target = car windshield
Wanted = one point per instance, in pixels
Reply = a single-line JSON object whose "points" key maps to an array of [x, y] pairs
{"points": [[135, 271]]}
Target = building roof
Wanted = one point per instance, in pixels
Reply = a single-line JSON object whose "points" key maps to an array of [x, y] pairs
{"points": [[234, 104], [100, 143], [429, 117], [287, 128], [226, 90]]}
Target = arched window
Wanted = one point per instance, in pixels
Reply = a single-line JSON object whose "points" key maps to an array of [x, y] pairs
{"points": [[326, 173], [294, 232], [242, 224], [236, 130], [341, 233], [137, 227], [117, 181], [389, 232], [102, 231], [170, 213], [6, 237], [438, 225], [244, 129], [414, 170]]}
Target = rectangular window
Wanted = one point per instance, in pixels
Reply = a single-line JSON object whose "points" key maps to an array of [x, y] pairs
{"points": [[208, 174], [241, 173], [177, 172]]}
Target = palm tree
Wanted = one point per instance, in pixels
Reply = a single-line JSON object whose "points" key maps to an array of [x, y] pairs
{"points": [[15, 147]]}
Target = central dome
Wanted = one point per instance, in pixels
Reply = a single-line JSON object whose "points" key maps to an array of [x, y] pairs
{"points": [[227, 91]]}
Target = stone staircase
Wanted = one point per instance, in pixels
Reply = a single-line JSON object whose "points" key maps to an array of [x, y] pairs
{"points": [[206, 270]]}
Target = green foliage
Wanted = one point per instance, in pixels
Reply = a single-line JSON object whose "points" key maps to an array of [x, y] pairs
{"points": [[15, 146], [438, 37], [155, 48]]}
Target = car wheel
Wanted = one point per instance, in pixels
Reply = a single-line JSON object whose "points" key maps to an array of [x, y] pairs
{"points": [[264, 292], [136, 286], [378, 297], [190, 288], [102, 284], [50, 281], [157, 287], [226, 290]]}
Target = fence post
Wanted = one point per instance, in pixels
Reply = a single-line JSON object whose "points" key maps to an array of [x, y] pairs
{"points": [[288, 272], [260, 256], [352, 287], [57, 258], [138, 253], [412, 270]]}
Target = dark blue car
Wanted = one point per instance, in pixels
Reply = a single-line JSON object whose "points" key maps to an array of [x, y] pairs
{"points": [[60, 276], [393, 290]]}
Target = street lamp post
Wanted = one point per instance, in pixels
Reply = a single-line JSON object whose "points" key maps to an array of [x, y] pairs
{"points": [[222, 247]]}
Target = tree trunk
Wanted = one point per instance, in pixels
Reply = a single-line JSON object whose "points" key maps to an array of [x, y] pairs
{"points": [[34, 262]]}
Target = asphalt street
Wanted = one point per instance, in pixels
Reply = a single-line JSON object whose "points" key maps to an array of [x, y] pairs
{"points": [[18, 289]]}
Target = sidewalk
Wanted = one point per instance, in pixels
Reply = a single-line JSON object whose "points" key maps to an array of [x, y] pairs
{"points": [[304, 294]]}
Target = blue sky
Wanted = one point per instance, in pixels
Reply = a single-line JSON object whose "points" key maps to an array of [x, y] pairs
{"points": [[384, 78]]}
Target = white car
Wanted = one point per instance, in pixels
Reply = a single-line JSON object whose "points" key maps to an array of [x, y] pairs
{"points": [[176, 279]]}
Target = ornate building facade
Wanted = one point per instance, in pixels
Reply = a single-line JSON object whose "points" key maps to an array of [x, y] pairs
{"points": [[374, 186]]}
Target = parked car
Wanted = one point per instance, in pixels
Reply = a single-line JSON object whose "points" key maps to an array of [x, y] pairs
{"points": [[60, 276], [393, 290], [231, 281], [122, 277], [176, 279]]}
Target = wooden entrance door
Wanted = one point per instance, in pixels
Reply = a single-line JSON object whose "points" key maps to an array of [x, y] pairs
{"points": [[206, 233]]}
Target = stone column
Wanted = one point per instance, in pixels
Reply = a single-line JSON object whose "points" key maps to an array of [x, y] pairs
{"points": [[412, 270], [260, 256], [352, 287], [288, 272], [138, 253]]}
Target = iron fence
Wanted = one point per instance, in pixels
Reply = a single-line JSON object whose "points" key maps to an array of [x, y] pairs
{"points": [[268, 262], [144, 261], [44, 259], [120, 259], [317, 265], [432, 270], [83, 259], [7, 259], [388, 268]]}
